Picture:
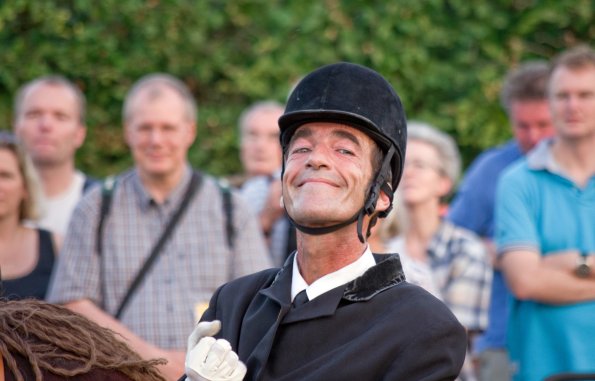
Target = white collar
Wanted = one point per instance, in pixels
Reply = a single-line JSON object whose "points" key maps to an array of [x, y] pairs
{"points": [[542, 158], [332, 280]]}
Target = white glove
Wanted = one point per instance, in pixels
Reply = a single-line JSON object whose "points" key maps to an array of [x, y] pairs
{"points": [[208, 359]]}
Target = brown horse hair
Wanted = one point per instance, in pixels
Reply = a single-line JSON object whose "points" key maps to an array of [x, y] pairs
{"points": [[48, 335]]}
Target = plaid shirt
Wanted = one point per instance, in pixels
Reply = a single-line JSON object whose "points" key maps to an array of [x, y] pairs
{"points": [[463, 273], [459, 273], [193, 263]]}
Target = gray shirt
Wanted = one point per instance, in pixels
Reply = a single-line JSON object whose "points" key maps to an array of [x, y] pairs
{"points": [[193, 263]]}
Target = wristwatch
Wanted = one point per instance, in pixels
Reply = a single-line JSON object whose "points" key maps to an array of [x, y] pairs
{"points": [[583, 269]]}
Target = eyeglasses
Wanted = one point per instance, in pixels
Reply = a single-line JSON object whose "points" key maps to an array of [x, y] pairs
{"points": [[422, 165], [253, 137]]}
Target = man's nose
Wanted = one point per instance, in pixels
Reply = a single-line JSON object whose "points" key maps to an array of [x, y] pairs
{"points": [[45, 122], [318, 157], [572, 102], [155, 136], [533, 135]]}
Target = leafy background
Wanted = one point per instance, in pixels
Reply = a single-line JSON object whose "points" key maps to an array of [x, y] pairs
{"points": [[446, 58]]}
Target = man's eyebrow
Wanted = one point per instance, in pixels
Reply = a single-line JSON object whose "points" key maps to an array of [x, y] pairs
{"points": [[302, 133], [347, 135], [307, 132]]}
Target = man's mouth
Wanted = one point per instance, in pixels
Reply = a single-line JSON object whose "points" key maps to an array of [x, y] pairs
{"points": [[318, 181]]}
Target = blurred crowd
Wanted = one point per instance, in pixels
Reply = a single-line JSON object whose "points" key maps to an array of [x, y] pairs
{"points": [[509, 249]]}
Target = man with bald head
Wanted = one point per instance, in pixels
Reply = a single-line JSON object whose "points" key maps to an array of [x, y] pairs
{"points": [[261, 156], [159, 127]]}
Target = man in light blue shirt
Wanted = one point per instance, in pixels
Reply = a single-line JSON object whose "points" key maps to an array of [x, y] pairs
{"points": [[545, 214]]}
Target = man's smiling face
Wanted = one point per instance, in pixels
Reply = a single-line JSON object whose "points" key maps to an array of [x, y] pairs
{"points": [[328, 170]]}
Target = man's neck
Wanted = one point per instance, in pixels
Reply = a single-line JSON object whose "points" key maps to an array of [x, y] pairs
{"points": [[56, 179], [576, 157], [319, 255], [160, 187]]}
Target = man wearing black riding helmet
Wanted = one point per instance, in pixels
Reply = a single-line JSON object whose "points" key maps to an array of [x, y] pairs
{"points": [[334, 311]]}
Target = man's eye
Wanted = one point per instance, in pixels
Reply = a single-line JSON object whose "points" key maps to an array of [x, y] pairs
{"points": [[7, 175], [32, 114], [344, 151], [301, 150]]}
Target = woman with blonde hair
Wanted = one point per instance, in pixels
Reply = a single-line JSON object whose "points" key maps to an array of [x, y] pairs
{"points": [[27, 254], [447, 260]]}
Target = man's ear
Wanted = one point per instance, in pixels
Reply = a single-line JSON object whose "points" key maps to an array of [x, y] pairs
{"points": [[383, 202], [127, 134], [192, 133], [80, 136]]}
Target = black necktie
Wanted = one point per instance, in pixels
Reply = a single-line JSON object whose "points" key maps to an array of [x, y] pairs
{"points": [[300, 298]]}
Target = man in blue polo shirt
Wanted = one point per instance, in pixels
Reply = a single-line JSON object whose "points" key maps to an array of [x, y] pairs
{"points": [[523, 97], [545, 237]]}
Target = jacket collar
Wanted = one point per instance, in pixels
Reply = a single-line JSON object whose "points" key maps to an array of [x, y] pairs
{"points": [[387, 273]]}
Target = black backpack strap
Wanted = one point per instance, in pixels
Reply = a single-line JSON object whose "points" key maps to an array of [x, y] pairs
{"points": [[1, 285], [89, 182], [225, 189], [107, 191], [195, 182]]}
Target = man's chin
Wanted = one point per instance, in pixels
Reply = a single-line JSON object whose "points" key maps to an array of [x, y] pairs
{"points": [[156, 172], [46, 161], [318, 221]]}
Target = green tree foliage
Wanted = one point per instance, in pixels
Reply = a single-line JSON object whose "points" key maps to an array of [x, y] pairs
{"points": [[446, 58]]}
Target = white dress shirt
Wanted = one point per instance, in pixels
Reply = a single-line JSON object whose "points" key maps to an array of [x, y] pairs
{"points": [[332, 280]]}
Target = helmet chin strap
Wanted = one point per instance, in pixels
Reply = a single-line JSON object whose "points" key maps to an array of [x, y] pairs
{"points": [[325, 229], [380, 183]]}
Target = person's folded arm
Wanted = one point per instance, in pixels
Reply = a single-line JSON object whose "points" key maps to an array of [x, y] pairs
{"points": [[568, 261], [530, 277]]}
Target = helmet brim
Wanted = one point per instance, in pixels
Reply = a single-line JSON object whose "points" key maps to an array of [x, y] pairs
{"points": [[290, 122]]}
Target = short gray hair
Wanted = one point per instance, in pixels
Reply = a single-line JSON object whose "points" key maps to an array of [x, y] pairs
{"points": [[574, 58], [156, 82], [262, 106], [445, 145], [51, 80]]}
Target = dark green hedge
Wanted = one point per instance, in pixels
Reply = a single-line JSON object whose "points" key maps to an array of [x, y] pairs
{"points": [[446, 58]]}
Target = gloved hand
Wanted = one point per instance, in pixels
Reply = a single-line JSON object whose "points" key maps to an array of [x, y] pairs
{"points": [[208, 359]]}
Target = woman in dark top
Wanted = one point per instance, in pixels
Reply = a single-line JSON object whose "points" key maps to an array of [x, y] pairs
{"points": [[26, 254], [44, 342]]}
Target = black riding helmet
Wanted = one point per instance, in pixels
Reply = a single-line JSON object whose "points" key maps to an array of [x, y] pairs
{"points": [[359, 97]]}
